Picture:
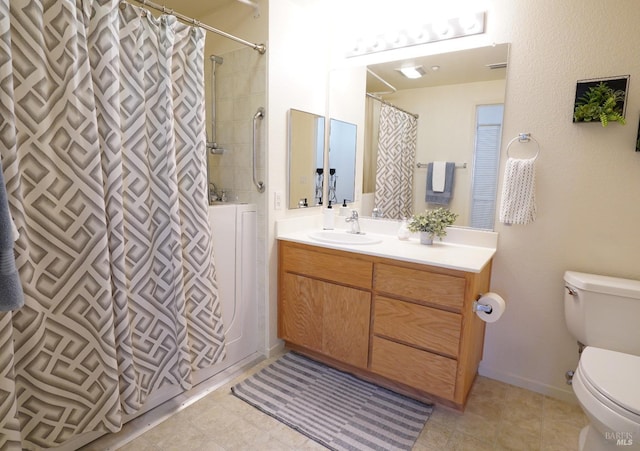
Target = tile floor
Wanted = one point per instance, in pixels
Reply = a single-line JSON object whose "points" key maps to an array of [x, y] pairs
{"points": [[498, 417]]}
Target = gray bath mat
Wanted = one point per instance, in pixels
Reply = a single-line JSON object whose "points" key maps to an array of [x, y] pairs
{"points": [[333, 408]]}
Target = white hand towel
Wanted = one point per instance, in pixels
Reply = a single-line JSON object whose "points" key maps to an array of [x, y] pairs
{"points": [[518, 204], [439, 176]]}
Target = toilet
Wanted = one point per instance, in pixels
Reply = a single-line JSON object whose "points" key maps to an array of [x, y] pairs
{"points": [[603, 314]]}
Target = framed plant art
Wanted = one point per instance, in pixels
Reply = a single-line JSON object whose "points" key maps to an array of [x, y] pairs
{"points": [[601, 100]]}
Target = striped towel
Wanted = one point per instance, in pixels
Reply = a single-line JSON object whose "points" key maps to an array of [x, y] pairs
{"points": [[518, 204]]}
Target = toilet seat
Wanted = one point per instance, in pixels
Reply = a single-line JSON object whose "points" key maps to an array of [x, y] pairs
{"points": [[612, 377]]}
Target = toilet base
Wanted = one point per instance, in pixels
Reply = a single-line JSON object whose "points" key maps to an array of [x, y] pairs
{"points": [[591, 439]]}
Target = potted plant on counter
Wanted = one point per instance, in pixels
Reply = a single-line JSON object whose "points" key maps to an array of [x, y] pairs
{"points": [[432, 223]]}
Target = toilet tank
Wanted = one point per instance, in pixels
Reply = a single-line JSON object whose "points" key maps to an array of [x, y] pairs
{"points": [[603, 311]]}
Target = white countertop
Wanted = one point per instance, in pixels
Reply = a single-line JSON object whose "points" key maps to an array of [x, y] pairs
{"points": [[462, 249]]}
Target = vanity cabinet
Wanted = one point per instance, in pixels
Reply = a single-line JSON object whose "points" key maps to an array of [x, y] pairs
{"points": [[406, 326], [328, 312]]}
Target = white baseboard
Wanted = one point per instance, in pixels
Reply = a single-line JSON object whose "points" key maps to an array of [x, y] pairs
{"points": [[275, 350], [535, 386]]}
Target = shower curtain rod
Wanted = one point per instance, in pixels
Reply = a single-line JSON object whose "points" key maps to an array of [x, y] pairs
{"points": [[260, 48], [382, 80], [392, 105]]}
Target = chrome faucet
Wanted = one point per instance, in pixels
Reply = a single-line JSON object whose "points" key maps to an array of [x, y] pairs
{"points": [[213, 193], [353, 220], [376, 213]]}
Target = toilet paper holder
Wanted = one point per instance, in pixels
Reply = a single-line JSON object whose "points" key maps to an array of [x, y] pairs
{"points": [[477, 307], [489, 307]]}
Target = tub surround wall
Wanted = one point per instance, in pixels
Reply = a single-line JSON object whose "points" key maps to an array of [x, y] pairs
{"points": [[241, 88], [240, 91]]}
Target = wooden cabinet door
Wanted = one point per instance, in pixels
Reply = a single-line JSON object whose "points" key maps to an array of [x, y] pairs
{"points": [[301, 312], [327, 318], [345, 324]]}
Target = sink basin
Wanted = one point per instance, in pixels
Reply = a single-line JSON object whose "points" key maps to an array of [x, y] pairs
{"points": [[342, 237]]}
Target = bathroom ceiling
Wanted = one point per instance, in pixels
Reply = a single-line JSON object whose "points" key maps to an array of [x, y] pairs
{"points": [[465, 66]]}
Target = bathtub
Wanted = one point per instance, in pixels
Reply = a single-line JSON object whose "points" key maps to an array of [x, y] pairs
{"points": [[235, 252], [235, 255]]}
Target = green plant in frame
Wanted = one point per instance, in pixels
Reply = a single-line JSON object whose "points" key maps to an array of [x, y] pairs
{"points": [[600, 103]]}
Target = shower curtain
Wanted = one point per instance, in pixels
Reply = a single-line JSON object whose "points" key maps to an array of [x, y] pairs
{"points": [[102, 140], [397, 138]]}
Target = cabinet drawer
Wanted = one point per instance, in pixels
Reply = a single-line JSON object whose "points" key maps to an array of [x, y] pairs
{"points": [[428, 372], [331, 267], [426, 327], [421, 286]]}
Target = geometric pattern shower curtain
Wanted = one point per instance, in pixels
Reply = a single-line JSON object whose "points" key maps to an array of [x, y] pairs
{"points": [[397, 141], [102, 139]]}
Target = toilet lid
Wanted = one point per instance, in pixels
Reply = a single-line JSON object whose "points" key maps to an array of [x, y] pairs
{"points": [[614, 375]]}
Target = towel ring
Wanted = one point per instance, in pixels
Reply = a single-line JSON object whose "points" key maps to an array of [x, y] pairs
{"points": [[524, 138]]}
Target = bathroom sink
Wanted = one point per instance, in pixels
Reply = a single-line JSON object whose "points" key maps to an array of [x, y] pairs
{"points": [[342, 237]]}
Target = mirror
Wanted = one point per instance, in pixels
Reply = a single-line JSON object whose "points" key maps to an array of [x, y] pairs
{"points": [[342, 161], [459, 102], [306, 159]]}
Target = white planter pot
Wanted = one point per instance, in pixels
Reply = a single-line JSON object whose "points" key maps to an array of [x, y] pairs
{"points": [[426, 238]]}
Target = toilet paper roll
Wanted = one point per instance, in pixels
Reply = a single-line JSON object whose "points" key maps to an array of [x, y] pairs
{"points": [[497, 305]]}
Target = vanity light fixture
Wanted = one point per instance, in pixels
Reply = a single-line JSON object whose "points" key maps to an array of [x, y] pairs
{"points": [[412, 72], [438, 30]]}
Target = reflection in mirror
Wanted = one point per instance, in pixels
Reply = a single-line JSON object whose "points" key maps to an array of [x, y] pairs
{"points": [[342, 161], [459, 102], [306, 158]]}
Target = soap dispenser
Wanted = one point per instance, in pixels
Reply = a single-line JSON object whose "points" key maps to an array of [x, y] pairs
{"points": [[403, 230], [328, 219], [344, 210]]}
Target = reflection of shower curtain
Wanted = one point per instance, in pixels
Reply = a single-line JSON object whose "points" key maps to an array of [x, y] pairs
{"points": [[102, 139], [396, 157]]}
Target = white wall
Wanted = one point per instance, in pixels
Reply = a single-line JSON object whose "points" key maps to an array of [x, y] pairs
{"points": [[297, 78], [588, 178]]}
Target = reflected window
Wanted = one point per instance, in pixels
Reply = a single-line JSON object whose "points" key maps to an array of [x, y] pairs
{"points": [[485, 165], [342, 161]]}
